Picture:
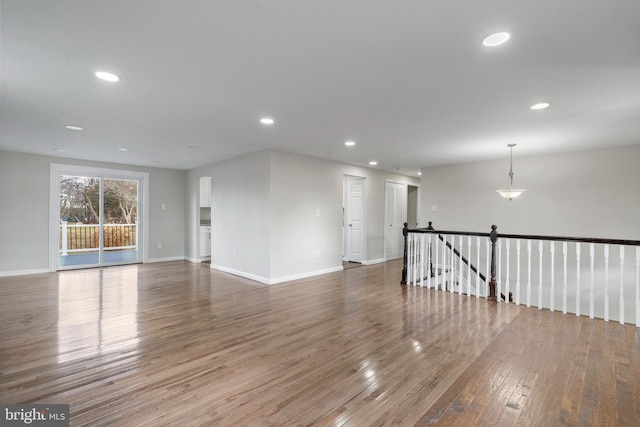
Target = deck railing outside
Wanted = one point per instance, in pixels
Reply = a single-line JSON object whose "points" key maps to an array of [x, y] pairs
{"points": [[590, 276], [76, 238]]}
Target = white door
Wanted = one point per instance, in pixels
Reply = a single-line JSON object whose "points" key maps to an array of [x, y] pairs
{"points": [[354, 219], [395, 217]]}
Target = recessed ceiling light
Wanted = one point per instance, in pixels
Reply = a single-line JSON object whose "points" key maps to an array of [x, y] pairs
{"points": [[350, 143], [109, 77], [266, 121], [373, 163], [496, 39], [419, 173], [71, 127], [123, 149], [540, 106], [59, 150]]}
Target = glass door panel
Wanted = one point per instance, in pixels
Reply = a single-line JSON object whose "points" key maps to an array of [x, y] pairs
{"points": [[98, 221], [79, 221], [120, 221]]}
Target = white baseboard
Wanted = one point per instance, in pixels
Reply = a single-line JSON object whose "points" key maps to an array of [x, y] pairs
{"points": [[193, 260], [374, 261], [282, 279], [173, 258], [305, 275], [241, 274], [23, 272]]}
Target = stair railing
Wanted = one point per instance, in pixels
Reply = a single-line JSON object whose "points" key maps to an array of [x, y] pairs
{"points": [[422, 249]]}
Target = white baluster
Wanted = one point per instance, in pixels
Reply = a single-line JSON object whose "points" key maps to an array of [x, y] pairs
{"points": [[606, 283], [564, 282], [578, 279], [499, 290], [416, 240], [638, 286], [429, 254], [621, 285], [540, 250], [418, 255], [416, 269], [425, 257], [591, 263], [518, 272], [478, 292], [469, 266], [452, 271], [528, 273], [437, 258], [552, 297], [421, 257], [409, 260], [444, 263], [460, 263], [506, 282], [487, 269]]}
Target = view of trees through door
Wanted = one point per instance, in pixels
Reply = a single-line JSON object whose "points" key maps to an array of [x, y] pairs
{"points": [[98, 221]]}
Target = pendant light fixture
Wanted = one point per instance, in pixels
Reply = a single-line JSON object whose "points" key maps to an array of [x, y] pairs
{"points": [[511, 192]]}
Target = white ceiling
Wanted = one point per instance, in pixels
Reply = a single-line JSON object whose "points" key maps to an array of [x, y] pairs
{"points": [[408, 80]]}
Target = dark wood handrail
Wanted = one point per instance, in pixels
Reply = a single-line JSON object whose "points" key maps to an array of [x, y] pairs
{"points": [[531, 237]]}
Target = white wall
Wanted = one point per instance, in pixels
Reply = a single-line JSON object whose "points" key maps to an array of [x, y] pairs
{"points": [[285, 241], [584, 194], [306, 215], [24, 210], [240, 217]]}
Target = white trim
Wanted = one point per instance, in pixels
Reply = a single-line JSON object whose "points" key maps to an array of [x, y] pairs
{"points": [[374, 261], [56, 169], [305, 275], [24, 272], [193, 260], [277, 280], [241, 274], [172, 258]]}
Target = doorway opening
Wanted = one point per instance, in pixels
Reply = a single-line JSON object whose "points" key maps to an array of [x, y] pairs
{"points": [[204, 229], [402, 203]]}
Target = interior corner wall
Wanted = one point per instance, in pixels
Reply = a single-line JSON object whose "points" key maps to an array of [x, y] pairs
{"points": [[24, 211], [306, 216], [240, 217], [583, 194]]}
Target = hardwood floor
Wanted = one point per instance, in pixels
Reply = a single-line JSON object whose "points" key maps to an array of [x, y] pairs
{"points": [[178, 344]]}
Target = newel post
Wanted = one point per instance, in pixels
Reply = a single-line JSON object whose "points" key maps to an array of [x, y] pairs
{"points": [[492, 283], [405, 233]]}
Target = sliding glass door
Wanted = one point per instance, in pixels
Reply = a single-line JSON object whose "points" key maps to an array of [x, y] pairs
{"points": [[98, 220]]}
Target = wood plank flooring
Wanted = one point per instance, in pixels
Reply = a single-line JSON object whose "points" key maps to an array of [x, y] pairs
{"points": [[179, 344]]}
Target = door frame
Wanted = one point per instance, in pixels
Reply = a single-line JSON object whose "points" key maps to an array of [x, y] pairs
{"points": [[57, 169], [406, 207], [345, 195]]}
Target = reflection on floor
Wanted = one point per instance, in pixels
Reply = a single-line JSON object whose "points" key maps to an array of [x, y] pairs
{"points": [[91, 258]]}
